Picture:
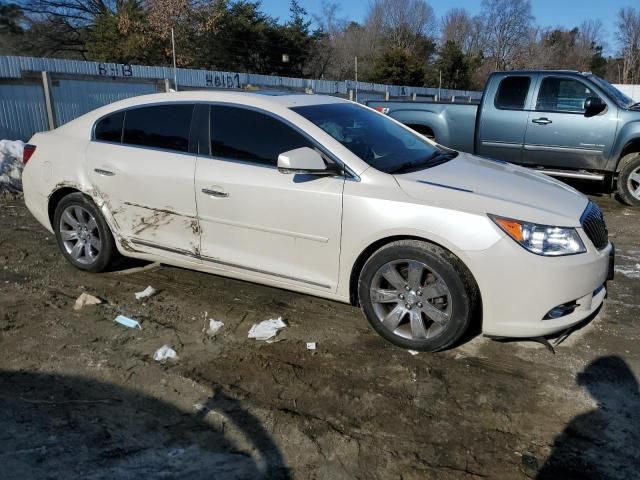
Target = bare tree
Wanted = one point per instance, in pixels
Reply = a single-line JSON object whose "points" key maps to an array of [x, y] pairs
{"points": [[464, 30], [507, 24], [456, 27], [628, 36], [405, 23]]}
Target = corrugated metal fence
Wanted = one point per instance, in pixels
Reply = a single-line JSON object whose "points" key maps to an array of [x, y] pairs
{"points": [[77, 87]]}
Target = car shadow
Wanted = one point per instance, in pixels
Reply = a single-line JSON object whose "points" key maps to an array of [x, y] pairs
{"points": [[603, 443], [58, 426]]}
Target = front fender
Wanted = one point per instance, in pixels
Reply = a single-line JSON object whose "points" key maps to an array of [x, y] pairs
{"points": [[629, 133]]}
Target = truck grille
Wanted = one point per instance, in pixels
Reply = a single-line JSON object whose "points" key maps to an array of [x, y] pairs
{"points": [[594, 226]]}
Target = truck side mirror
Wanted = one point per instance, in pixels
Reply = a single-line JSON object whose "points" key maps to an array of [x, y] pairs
{"points": [[593, 106]]}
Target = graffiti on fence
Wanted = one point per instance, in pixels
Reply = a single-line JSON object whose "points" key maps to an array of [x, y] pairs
{"points": [[115, 70], [223, 80]]}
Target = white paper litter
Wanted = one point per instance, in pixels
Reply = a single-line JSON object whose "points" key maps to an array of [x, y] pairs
{"points": [[214, 327], [267, 329], [413, 352], [311, 345], [146, 293], [165, 352], [86, 299], [11, 165]]}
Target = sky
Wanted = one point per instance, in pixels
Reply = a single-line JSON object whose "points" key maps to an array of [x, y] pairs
{"points": [[548, 13]]}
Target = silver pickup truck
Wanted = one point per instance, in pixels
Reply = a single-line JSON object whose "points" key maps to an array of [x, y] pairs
{"points": [[565, 123]]}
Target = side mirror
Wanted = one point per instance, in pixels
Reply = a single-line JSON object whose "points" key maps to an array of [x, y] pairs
{"points": [[303, 160], [593, 106]]}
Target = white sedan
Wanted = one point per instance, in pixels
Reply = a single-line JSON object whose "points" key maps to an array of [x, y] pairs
{"points": [[323, 196]]}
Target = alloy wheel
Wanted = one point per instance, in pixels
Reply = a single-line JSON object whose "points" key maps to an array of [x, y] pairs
{"points": [[633, 183], [80, 234], [410, 299]]}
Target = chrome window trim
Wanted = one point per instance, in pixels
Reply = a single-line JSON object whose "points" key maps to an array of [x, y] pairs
{"points": [[348, 172]]}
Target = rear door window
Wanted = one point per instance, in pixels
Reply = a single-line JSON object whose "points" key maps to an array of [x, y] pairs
{"points": [[159, 126], [109, 129], [512, 93], [243, 134], [559, 94]]}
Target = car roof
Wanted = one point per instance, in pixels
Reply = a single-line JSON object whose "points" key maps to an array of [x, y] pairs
{"points": [[262, 98]]}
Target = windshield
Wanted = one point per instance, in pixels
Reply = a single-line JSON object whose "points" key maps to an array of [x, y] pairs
{"points": [[377, 140], [620, 98]]}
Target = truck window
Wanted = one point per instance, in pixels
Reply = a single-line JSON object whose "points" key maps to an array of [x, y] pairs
{"points": [[512, 93], [559, 94]]}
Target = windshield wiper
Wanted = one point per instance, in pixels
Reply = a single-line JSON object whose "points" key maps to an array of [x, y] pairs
{"points": [[436, 158], [634, 105]]}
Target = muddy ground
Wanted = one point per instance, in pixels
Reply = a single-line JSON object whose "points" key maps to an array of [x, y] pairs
{"points": [[82, 397]]}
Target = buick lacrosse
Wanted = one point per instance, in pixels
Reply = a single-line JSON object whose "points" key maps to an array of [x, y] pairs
{"points": [[327, 197]]}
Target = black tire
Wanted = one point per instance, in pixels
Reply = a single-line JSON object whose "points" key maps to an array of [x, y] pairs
{"points": [[627, 179], [462, 292], [107, 253]]}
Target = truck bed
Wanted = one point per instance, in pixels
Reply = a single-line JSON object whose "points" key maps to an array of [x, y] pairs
{"points": [[452, 124]]}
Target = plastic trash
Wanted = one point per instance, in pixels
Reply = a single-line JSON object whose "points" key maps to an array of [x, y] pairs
{"points": [[413, 352], [85, 299], [311, 345], [127, 322], [146, 293], [267, 329], [214, 327], [165, 352]]}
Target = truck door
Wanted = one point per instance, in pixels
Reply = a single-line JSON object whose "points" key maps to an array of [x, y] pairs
{"points": [[560, 135], [502, 123]]}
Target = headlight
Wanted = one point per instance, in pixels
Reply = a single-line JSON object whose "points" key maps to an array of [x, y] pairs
{"points": [[542, 239]]}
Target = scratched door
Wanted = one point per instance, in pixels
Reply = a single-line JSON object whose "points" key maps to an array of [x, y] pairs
{"points": [[146, 180]]}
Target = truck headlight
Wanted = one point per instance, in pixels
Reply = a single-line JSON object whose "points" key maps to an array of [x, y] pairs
{"points": [[542, 239]]}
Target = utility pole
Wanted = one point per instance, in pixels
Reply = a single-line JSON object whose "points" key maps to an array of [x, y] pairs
{"points": [[440, 85], [356, 79], [175, 72]]}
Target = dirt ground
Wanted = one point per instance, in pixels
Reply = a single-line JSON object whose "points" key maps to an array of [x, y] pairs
{"points": [[82, 397]]}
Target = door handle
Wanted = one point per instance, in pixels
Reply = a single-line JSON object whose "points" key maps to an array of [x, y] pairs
{"points": [[105, 173], [214, 193], [542, 121]]}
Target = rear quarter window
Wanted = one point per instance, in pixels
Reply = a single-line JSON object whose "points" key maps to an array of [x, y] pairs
{"points": [[109, 129], [159, 126], [512, 93]]}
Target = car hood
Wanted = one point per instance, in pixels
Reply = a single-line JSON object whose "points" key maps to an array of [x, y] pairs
{"points": [[484, 186]]}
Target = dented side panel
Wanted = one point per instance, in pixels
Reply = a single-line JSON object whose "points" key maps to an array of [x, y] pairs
{"points": [[148, 193]]}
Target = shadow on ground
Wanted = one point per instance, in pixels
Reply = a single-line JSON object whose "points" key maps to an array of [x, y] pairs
{"points": [[602, 443], [56, 426]]}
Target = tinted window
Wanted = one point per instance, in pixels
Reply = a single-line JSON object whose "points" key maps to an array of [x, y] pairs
{"points": [[159, 126], [562, 95], [512, 93], [109, 129], [243, 134], [374, 138]]}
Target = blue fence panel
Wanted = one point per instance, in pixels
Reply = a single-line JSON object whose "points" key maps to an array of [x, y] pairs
{"points": [[22, 111], [73, 98]]}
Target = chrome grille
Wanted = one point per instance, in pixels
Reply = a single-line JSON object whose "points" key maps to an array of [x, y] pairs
{"points": [[594, 226]]}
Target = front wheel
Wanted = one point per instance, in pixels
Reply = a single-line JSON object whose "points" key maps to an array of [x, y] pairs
{"points": [[629, 180], [82, 234], [417, 295]]}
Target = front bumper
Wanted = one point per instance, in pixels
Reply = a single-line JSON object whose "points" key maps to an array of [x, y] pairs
{"points": [[519, 288]]}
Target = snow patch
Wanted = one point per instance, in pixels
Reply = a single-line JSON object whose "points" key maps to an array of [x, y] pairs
{"points": [[630, 271], [11, 165]]}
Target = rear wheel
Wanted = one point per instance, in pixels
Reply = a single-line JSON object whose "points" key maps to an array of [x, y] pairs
{"points": [[629, 180], [82, 234], [417, 295]]}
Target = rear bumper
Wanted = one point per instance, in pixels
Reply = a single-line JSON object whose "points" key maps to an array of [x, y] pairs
{"points": [[519, 289]]}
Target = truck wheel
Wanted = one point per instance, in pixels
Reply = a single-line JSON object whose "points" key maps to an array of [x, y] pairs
{"points": [[417, 295], [629, 180], [83, 235]]}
